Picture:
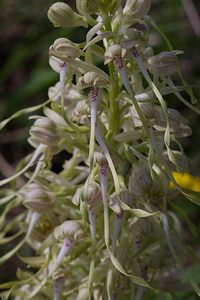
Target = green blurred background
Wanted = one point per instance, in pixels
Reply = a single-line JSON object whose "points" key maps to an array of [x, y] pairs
{"points": [[25, 75]]}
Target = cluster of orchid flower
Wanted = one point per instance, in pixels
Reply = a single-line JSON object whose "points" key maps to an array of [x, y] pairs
{"points": [[101, 227]]}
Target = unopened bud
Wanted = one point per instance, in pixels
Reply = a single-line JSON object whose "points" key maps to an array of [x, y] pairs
{"points": [[68, 230], [178, 124], [165, 63], [180, 160], [93, 196], [89, 6], [144, 184], [148, 111], [44, 131], [64, 47], [181, 129], [127, 197], [91, 79], [81, 113], [72, 94], [112, 53], [136, 9], [56, 64], [38, 198], [134, 37], [100, 158], [140, 181], [61, 15]]}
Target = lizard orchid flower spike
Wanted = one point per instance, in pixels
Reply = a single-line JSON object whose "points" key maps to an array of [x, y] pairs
{"points": [[104, 223]]}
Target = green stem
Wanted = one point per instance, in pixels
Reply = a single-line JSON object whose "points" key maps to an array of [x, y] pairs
{"points": [[114, 112]]}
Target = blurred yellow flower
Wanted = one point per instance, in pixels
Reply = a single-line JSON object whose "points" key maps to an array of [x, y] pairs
{"points": [[187, 181]]}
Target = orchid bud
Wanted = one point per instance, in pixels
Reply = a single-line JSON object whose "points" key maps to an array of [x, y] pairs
{"points": [[178, 124], [148, 111], [140, 181], [136, 9], [127, 197], [100, 158], [81, 113], [92, 196], [64, 47], [44, 131], [38, 198], [62, 15], [90, 6], [135, 37], [180, 159], [165, 63], [71, 96], [68, 230], [175, 118], [112, 52], [56, 64], [92, 79]]}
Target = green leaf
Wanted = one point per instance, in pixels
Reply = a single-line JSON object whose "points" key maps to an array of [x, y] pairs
{"points": [[34, 261], [139, 213], [98, 38], [6, 199], [82, 66], [24, 169], [190, 195], [8, 255], [195, 287], [137, 280], [22, 112], [8, 285], [109, 160], [8, 207], [91, 277], [10, 238], [104, 5], [183, 100], [92, 32]]}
